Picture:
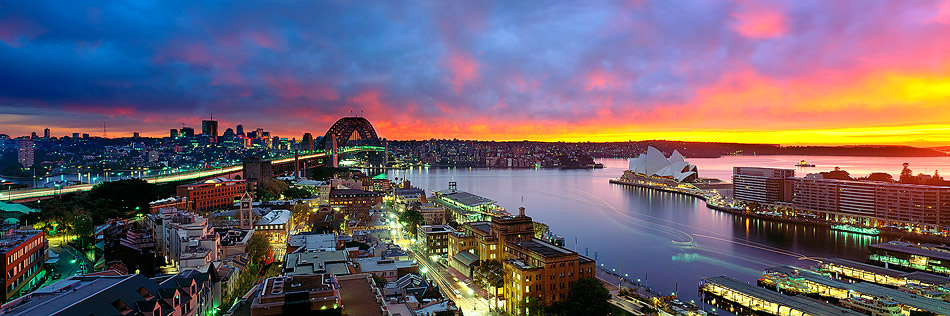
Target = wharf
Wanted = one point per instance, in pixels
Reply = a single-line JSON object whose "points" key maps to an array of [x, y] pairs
{"points": [[826, 287], [847, 269], [764, 301]]}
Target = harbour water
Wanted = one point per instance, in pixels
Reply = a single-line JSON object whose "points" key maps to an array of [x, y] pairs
{"points": [[668, 241]]}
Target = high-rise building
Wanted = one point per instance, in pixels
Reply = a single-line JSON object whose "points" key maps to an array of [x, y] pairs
{"points": [[85, 135], [762, 185], [46, 133], [240, 130], [210, 128], [135, 134], [25, 152], [173, 133], [187, 132], [260, 133], [75, 135], [33, 135], [307, 142]]}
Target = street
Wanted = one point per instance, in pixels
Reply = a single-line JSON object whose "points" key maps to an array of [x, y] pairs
{"points": [[467, 301]]}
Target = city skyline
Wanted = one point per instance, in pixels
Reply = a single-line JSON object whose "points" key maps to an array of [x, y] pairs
{"points": [[787, 72]]}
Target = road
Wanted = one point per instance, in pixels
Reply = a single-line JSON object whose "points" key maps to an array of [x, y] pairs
{"points": [[467, 301], [188, 175]]}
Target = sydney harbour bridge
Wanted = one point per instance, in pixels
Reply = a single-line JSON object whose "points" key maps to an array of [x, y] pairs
{"points": [[350, 138]]}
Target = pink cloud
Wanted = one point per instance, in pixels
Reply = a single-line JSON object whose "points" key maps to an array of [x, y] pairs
{"points": [[463, 69], [757, 21]]}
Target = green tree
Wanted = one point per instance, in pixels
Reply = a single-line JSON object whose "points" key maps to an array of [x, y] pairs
{"points": [[272, 190], [534, 306], [296, 193], [491, 276], [587, 296], [380, 282], [82, 225], [258, 248], [411, 219]]}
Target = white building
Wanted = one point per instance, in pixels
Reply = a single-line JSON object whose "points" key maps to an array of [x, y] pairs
{"points": [[654, 164]]}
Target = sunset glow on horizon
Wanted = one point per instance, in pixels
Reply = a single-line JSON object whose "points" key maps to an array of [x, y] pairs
{"points": [[782, 72]]}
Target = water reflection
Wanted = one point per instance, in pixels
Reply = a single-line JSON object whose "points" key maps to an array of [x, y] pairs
{"points": [[667, 238]]}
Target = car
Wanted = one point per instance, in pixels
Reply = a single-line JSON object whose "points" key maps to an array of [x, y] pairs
{"points": [[457, 293]]}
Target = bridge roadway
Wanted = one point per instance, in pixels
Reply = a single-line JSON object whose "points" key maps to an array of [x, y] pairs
{"points": [[41, 193]]}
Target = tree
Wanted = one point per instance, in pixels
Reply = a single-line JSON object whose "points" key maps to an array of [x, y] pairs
{"points": [[296, 193], [82, 225], [411, 218], [380, 281], [587, 296], [936, 179], [907, 175], [272, 190], [258, 247], [534, 306], [491, 275], [880, 176]]}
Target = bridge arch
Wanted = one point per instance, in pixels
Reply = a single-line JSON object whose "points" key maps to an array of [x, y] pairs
{"points": [[345, 127]]}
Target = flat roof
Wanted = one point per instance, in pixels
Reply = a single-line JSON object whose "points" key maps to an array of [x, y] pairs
{"points": [[543, 248], [806, 305], [465, 198], [918, 276], [916, 301], [914, 249], [359, 295], [482, 226]]}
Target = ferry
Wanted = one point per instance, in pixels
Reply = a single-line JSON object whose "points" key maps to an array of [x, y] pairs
{"points": [[804, 164], [858, 230], [781, 281], [876, 307]]}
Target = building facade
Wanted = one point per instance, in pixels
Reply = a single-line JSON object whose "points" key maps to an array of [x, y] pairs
{"points": [[355, 204], [25, 152], [24, 253], [213, 194], [761, 185], [872, 203]]}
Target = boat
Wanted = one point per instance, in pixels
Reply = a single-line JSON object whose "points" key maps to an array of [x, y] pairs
{"points": [[858, 230], [804, 164], [875, 307]]}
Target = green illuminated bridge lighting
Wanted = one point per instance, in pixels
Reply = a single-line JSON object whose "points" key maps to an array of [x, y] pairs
{"points": [[181, 176]]}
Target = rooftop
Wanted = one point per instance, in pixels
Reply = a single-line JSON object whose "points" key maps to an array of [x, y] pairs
{"points": [[465, 198], [9, 240], [275, 217], [927, 250], [864, 288], [377, 264], [359, 295], [334, 262], [543, 248], [308, 241], [806, 305], [352, 192]]}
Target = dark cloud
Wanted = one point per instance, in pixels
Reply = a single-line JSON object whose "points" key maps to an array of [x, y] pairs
{"points": [[295, 66]]}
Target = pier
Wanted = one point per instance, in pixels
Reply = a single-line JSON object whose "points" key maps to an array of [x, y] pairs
{"points": [[763, 301]]}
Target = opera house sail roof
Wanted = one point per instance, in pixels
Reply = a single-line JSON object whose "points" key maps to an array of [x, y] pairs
{"points": [[654, 164]]}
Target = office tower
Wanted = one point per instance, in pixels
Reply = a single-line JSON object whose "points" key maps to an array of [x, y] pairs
{"points": [[33, 135], [75, 135], [210, 128], [85, 135], [135, 134], [173, 133], [187, 132], [46, 133], [240, 130], [228, 133], [25, 152], [307, 142]]}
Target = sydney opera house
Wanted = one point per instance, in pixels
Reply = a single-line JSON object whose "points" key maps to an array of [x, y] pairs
{"points": [[653, 164]]}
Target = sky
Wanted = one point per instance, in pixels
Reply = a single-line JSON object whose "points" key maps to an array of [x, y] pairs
{"points": [[788, 72]]}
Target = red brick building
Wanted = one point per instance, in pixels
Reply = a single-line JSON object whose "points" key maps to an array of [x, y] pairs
{"points": [[24, 253], [355, 203], [212, 194]]}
